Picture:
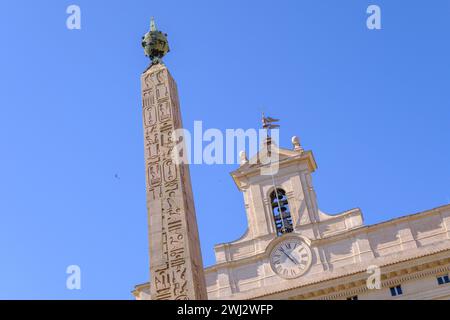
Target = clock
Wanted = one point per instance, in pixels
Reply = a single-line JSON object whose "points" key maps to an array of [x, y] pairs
{"points": [[290, 258]]}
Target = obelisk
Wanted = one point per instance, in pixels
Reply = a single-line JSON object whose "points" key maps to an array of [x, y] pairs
{"points": [[176, 266]]}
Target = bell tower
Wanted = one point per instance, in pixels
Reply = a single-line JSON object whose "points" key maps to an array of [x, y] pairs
{"points": [[284, 201]]}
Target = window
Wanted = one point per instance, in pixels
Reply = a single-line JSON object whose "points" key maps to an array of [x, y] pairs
{"points": [[396, 291], [281, 212], [353, 298], [443, 280]]}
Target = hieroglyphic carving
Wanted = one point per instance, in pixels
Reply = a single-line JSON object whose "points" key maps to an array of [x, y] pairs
{"points": [[175, 258], [154, 174], [164, 110], [149, 115], [152, 144]]}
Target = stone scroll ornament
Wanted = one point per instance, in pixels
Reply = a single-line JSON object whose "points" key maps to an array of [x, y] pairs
{"points": [[176, 265]]}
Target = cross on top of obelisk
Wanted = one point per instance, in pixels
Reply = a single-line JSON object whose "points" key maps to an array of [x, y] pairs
{"points": [[155, 44]]}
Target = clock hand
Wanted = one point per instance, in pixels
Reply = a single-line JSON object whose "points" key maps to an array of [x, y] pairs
{"points": [[290, 258]]}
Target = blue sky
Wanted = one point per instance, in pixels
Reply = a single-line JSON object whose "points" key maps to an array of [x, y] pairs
{"points": [[372, 105]]}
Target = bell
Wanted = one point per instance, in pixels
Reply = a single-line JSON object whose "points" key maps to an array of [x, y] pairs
{"points": [[286, 215]]}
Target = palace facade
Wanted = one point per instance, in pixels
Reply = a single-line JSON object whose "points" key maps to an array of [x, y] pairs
{"points": [[293, 250]]}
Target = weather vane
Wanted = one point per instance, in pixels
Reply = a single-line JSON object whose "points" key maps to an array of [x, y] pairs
{"points": [[155, 44], [269, 123]]}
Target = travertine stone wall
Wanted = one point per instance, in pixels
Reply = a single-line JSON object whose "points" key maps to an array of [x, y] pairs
{"points": [[341, 245], [396, 246]]}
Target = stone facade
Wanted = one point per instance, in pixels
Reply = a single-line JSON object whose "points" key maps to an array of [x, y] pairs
{"points": [[410, 252]]}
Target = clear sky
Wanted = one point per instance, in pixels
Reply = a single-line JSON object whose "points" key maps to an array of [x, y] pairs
{"points": [[373, 105]]}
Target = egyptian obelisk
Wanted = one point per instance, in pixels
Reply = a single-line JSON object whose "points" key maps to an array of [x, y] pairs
{"points": [[176, 266]]}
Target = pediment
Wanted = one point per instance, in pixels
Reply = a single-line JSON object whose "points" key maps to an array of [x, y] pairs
{"points": [[279, 156]]}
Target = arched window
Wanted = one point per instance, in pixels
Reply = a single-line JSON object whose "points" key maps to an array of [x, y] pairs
{"points": [[281, 212]]}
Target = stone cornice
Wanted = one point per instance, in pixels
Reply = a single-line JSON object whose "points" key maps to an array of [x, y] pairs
{"points": [[248, 170], [433, 261], [355, 284], [356, 270], [319, 242], [397, 277], [367, 229]]}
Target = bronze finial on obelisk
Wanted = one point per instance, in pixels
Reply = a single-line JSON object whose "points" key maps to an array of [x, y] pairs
{"points": [[176, 267], [155, 44]]}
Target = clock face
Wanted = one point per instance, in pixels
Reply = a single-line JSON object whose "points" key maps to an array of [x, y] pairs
{"points": [[290, 258]]}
